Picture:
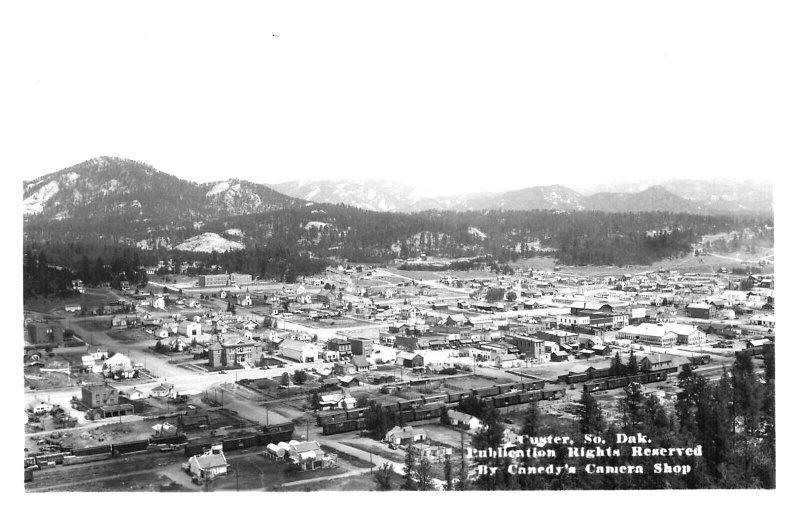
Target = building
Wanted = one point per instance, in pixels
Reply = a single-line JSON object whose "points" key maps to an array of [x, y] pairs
{"points": [[701, 310], [308, 455], [406, 359], [572, 321], [191, 329], [506, 361], [530, 346], [361, 347], [343, 346], [409, 343], [763, 320], [361, 363], [45, 333], [463, 420], [208, 465], [558, 336], [234, 352], [299, 350], [240, 279], [336, 402], [431, 452], [95, 396], [213, 280], [404, 434], [662, 334]]}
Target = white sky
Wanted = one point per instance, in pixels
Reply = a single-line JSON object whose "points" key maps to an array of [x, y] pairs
{"points": [[453, 96]]}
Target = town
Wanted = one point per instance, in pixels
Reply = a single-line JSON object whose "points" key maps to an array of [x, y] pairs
{"points": [[226, 381]]}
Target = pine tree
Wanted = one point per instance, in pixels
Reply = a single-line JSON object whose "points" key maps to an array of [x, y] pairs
{"points": [[448, 473], [409, 484], [384, 477], [591, 416], [533, 420], [633, 366], [424, 475]]}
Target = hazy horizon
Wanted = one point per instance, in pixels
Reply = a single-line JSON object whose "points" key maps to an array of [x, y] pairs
{"points": [[506, 97], [582, 185]]}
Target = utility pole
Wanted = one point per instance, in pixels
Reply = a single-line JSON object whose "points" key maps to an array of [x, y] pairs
{"points": [[463, 472], [266, 411]]}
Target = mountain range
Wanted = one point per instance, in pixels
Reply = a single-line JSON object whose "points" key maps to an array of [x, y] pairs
{"points": [[677, 196], [113, 187], [105, 186]]}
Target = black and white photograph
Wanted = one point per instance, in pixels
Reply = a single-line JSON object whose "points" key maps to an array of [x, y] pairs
{"points": [[297, 247]]}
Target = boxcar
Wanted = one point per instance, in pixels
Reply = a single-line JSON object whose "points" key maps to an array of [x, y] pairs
{"points": [[355, 413], [515, 399], [486, 391], [439, 398], [391, 407], [91, 451], [128, 447], [502, 388]]}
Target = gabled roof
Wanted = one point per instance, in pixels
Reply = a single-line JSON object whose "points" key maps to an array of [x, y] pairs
{"points": [[208, 461]]}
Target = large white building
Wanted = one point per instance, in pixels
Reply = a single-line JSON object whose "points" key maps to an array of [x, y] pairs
{"points": [[665, 334], [299, 350]]}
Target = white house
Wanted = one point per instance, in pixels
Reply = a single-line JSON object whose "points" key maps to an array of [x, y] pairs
{"points": [[463, 420], [191, 329], [397, 435], [209, 465], [157, 302]]}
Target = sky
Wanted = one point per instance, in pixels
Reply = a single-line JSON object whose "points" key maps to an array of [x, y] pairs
{"points": [[453, 97]]}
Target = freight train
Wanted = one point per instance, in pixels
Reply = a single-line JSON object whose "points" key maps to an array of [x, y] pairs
{"points": [[430, 407], [624, 381], [267, 434]]}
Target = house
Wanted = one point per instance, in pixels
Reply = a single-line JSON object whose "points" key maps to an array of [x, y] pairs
{"points": [[191, 329], [124, 321], [349, 381], [406, 359], [72, 308], [136, 395], [404, 434], [431, 452], [361, 363], [308, 455], [119, 366], [157, 302], [463, 420], [160, 391], [42, 408], [559, 356], [506, 361], [244, 300], [208, 465], [757, 343], [299, 350], [336, 401], [161, 333]]}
